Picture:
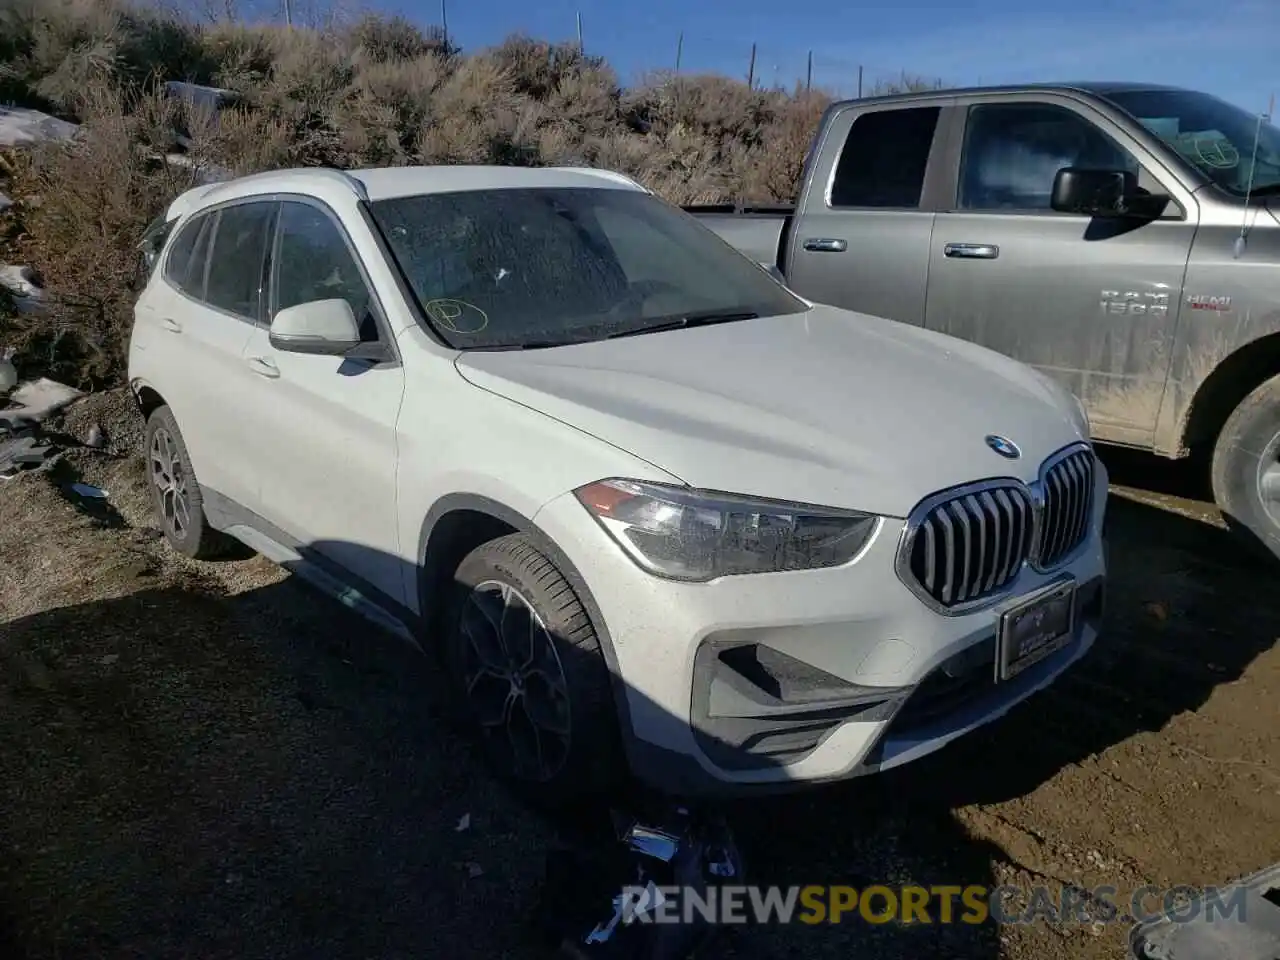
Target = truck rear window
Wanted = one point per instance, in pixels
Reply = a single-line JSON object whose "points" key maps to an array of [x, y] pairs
{"points": [[884, 159]]}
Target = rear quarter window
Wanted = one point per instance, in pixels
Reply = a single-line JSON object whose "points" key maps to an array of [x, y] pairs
{"points": [[184, 265]]}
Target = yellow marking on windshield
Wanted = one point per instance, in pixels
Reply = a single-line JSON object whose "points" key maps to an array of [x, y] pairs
{"points": [[457, 316]]}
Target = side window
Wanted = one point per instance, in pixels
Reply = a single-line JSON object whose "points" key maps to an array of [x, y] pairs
{"points": [[313, 262], [235, 266], [1012, 152], [884, 159], [184, 266]]}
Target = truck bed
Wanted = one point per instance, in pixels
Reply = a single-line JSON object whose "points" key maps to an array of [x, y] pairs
{"points": [[758, 231]]}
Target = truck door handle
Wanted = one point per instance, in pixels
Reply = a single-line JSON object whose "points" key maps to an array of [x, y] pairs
{"points": [[826, 245], [972, 251], [173, 326], [264, 367]]}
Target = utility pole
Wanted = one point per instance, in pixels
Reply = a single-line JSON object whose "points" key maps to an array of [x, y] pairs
{"points": [[288, 13], [751, 69], [859, 81], [444, 25], [679, 51], [580, 49], [808, 75]]}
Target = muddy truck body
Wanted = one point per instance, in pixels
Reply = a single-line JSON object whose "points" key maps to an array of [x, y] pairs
{"points": [[1124, 239]]}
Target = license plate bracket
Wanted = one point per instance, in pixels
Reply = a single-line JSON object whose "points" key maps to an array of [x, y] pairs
{"points": [[1036, 628]]}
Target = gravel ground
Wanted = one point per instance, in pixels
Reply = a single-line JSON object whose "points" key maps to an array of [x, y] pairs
{"points": [[211, 760]]}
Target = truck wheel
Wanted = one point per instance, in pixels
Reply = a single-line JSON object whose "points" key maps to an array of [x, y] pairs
{"points": [[525, 664], [175, 492], [1246, 469]]}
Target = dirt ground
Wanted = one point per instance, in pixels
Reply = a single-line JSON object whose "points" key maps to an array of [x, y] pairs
{"points": [[213, 761]]}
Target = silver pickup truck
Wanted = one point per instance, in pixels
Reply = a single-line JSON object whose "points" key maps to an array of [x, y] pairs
{"points": [[1123, 238]]}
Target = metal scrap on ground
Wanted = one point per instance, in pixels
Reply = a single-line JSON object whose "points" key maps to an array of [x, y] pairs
{"points": [[23, 446]]}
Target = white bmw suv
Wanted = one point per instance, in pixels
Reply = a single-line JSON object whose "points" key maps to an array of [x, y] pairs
{"points": [[655, 513]]}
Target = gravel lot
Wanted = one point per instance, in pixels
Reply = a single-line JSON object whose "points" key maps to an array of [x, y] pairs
{"points": [[213, 761]]}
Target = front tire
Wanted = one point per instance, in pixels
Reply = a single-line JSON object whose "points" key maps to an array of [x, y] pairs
{"points": [[1246, 469], [526, 667], [175, 492]]}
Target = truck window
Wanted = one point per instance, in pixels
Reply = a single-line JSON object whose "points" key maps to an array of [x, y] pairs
{"points": [[1012, 151], [884, 158]]}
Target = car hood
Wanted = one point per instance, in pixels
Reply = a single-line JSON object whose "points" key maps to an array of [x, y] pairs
{"points": [[825, 407]]}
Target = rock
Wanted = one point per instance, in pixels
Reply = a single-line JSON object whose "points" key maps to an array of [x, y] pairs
{"points": [[20, 126], [5, 203]]}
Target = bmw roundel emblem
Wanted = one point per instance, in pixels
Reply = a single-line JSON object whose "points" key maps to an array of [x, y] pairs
{"points": [[1003, 446]]}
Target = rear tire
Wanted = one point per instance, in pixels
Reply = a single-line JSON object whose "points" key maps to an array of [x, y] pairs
{"points": [[526, 669], [175, 492], [1246, 470]]}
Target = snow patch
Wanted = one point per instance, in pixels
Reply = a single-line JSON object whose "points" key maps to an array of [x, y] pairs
{"points": [[20, 126], [20, 281]]}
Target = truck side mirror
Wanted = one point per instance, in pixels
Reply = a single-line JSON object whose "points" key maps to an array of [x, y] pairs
{"points": [[1095, 193]]}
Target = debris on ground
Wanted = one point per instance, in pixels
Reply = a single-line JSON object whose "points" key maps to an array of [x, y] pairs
{"points": [[23, 443], [88, 491], [22, 448], [600, 902], [1240, 922]]}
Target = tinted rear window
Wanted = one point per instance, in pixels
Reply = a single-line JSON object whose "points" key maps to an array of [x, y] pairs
{"points": [[884, 159]]}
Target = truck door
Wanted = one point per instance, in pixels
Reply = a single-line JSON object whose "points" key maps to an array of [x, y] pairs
{"points": [[1091, 302], [861, 235]]}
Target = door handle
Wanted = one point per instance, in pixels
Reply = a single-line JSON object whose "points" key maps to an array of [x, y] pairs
{"points": [[826, 245], [264, 367], [972, 251], [173, 326]]}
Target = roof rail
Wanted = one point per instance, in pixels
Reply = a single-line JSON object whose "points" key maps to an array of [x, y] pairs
{"points": [[351, 182], [332, 174], [607, 175]]}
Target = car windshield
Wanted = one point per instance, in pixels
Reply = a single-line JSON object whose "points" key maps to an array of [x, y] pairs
{"points": [[1212, 135], [531, 267]]}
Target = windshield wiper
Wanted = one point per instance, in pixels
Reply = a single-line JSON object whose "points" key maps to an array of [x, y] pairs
{"points": [[522, 345], [703, 319]]}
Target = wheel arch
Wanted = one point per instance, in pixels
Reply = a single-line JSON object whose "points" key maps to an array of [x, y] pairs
{"points": [[147, 397], [1231, 380], [458, 523]]}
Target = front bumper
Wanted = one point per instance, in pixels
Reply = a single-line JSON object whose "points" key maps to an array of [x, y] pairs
{"points": [[770, 682]]}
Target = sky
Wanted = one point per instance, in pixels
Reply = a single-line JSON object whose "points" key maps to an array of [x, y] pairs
{"points": [[1227, 47]]}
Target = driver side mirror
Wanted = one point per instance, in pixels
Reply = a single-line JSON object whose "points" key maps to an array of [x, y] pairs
{"points": [[324, 327], [1102, 193]]}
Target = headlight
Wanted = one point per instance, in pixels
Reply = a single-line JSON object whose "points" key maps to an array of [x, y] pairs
{"points": [[690, 535]]}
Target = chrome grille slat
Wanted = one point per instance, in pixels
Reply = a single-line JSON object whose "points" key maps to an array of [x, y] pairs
{"points": [[961, 512], [993, 511], [949, 552], [963, 547], [1068, 496]]}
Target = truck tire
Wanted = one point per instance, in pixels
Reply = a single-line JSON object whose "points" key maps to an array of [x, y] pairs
{"points": [[1246, 470], [175, 492], [525, 667]]}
